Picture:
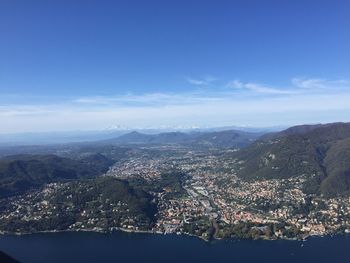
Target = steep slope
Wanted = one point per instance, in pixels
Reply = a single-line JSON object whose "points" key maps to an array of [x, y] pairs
{"points": [[337, 163], [321, 153]]}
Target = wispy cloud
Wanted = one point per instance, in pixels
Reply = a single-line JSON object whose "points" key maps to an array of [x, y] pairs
{"points": [[202, 81], [149, 99], [315, 84], [297, 86], [258, 88]]}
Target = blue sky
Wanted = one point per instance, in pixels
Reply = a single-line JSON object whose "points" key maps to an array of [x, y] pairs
{"points": [[71, 65]]}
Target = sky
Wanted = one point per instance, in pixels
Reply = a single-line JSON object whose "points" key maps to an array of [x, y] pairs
{"points": [[90, 65]]}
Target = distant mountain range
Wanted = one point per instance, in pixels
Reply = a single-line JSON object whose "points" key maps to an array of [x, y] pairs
{"points": [[320, 152], [222, 139], [44, 138]]}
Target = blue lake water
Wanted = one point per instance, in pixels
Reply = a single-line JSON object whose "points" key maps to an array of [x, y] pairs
{"points": [[125, 247]]}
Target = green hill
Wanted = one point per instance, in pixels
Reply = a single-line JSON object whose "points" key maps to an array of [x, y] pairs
{"points": [[108, 190], [100, 203], [22, 172], [320, 152]]}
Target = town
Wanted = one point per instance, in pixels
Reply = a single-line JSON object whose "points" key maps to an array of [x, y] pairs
{"points": [[209, 201]]}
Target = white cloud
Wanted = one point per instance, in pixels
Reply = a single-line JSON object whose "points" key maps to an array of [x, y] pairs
{"points": [[238, 104]]}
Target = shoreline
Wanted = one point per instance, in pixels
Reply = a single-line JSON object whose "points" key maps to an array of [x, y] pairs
{"points": [[131, 231]]}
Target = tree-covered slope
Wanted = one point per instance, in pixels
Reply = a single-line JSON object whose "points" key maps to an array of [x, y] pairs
{"points": [[22, 172], [103, 191], [337, 163], [102, 203], [321, 153]]}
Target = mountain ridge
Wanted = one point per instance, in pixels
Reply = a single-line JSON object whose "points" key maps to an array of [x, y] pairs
{"points": [[227, 138]]}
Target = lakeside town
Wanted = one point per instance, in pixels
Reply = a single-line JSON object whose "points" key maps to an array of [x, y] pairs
{"points": [[208, 200]]}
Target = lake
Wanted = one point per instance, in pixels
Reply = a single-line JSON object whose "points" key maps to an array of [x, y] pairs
{"points": [[128, 247]]}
